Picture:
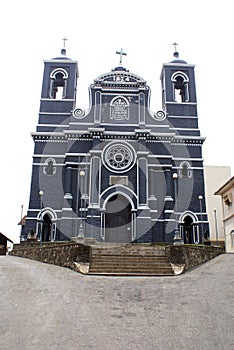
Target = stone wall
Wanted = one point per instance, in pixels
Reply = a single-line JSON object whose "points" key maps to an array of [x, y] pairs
{"points": [[77, 255], [185, 257], [67, 254]]}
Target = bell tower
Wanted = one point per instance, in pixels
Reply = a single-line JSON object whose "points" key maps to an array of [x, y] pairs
{"points": [[49, 196], [179, 95], [58, 96]]}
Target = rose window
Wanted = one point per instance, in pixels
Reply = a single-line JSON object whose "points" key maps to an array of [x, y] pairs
{"points": [[118, 157]]}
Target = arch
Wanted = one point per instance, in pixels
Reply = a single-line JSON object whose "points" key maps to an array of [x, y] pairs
{"points": [[185, 170], [118, 189], [180, 87], [130, 197], [58, 83], [46, 225], [189, 229], [50, 166], [179, 74], [119, 108], [118, 219]]}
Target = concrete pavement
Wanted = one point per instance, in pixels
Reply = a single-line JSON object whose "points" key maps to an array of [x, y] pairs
{"points": [[49, 307]]}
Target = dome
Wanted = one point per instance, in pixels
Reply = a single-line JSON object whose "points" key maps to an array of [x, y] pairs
{"points": [[63, 55], [177, 59]]}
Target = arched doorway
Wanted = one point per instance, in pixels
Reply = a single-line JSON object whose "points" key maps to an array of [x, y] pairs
{"points": [[189, 229], [46, 228], [46, 225], [118, 220]]}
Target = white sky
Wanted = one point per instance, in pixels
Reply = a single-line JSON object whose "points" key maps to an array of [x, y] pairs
{"points": [[31, 31]]}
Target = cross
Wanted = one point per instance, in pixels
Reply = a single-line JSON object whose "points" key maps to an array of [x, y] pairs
{"points": [[64, 42], [121, 53], [175, 44]]}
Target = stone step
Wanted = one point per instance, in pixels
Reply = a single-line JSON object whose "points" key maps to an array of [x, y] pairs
{"points": [[130, 251], [125, 256], [130, 268], [150, 254], [125, 271], [133, 262], [130, 260], [143, 273]]}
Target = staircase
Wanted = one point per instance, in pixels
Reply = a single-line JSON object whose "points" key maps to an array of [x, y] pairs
{"points": [[129, 259]]}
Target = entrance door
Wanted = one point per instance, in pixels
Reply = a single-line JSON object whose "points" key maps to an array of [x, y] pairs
{"points": [[118, 220], [46, 228], [188, 230]]}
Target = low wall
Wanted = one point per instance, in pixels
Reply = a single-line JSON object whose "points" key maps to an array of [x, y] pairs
{"points": [[185, 257], [68, 254], [77, 255]]}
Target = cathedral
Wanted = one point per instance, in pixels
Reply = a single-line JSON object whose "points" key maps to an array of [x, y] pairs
{"points": [[117, 172]]}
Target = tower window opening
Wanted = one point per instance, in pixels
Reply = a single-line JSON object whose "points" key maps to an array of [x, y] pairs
{"points": [[180, 87], [58, 84], [50, 167], [185, 170]]}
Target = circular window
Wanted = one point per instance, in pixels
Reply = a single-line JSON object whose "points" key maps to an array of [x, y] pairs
{"points": [[118, 157]]}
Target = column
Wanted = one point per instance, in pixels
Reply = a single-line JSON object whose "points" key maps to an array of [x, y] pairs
{"points": [[142, 184], [95, 181]]}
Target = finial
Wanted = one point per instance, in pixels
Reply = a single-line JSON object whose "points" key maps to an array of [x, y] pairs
{"points": [[176, 53], [63, 51], [121, 53]]}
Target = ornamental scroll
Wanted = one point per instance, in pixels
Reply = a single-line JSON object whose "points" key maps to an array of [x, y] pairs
{"points": [[119, 108]]}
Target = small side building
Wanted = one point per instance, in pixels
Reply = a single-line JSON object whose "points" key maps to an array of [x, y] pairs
{"points": [[214, 176], [227, 194], [3, 243]]}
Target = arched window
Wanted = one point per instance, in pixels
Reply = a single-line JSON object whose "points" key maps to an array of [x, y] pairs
{"points": [[50, 167], [185, 170], [58, 84], [180, 87]]}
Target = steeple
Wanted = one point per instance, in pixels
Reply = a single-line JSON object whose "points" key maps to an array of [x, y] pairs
{"points": [[179, 92], [58, 96]]}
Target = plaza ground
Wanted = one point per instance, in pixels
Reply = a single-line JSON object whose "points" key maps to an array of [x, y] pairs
{"points": [[49, 307]]}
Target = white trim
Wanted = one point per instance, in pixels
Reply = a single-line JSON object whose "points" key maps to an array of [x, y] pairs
{"points": [[60, 60], [54, 113], [160, 156], [54, 125], [178, 103], [182, 116], [187, 129], [61, 100], [188, 159], [48, 156]]}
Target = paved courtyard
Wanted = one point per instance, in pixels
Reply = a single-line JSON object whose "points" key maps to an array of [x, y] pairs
{"points": [[49, 307]]}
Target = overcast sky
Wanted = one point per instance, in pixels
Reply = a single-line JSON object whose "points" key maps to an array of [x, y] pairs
{"points": [[32, 31]]}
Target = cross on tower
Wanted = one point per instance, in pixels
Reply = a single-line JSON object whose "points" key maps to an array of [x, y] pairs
{"points": [[64, 42], [121, 53], [175, 45]]}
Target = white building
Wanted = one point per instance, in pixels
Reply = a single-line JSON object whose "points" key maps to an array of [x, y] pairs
{"points": [[214, 177], [227, 194]]}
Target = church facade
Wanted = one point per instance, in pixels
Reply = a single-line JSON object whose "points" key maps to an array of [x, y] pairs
{"points": [[118, 172]]}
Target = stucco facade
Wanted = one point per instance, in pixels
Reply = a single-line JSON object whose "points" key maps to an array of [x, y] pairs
{"points": [[227, 194], [109, 172], [214, 176]]}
